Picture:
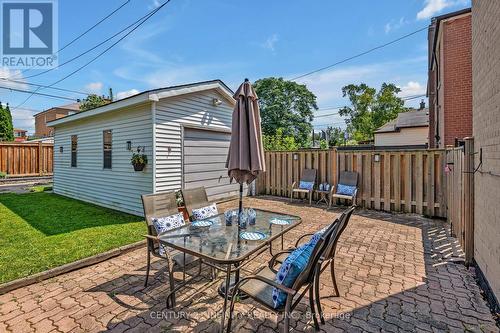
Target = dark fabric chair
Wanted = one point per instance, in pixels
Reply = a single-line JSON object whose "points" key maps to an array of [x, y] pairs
{"points": [[259, 286], [160, 205], [328, 257], [308, 175], [349, 178], [195, 198]]}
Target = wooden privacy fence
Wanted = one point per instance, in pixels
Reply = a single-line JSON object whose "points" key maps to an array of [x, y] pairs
{"points": [[26, 159], [401, 181], [460, 183]]}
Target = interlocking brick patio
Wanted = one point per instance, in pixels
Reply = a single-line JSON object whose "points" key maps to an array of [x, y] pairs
{"points": [[396, 273]]}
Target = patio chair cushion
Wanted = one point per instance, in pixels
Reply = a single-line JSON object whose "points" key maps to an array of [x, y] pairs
{"points": [[303, 185], [290, 269], [166, 223], [346, 189], [205, 212], [260, 290]]}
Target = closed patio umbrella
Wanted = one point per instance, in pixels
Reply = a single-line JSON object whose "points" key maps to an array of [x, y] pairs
{"points": [[245, 160]]}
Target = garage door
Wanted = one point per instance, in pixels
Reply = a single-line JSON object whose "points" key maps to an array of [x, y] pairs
{"points": [[205, 154]]}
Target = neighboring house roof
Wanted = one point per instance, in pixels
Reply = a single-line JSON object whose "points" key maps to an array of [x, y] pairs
{"points": [[419, 118], [19, 130], [153, 95], [70, 107]]}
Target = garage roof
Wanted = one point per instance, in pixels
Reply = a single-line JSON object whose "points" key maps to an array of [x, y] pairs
{"points": [[153, 95]]}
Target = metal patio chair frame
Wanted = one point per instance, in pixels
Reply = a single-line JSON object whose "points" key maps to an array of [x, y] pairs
{"points": [[308, 175], [265, 278]]}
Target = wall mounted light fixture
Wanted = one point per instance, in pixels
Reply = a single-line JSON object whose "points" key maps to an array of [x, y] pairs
{"points": [[129, 145], [295, 156], [61, 149], [216, 102], [376, 157]]}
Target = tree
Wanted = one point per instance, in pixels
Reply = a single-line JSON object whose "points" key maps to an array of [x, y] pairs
{"points": [[6, 127], [335, 136], [93, 101], [288, 106], [279, 142], [370, 109]]}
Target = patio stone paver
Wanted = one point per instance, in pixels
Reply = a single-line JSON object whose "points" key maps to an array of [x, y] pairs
{"points": [[396, 273]]}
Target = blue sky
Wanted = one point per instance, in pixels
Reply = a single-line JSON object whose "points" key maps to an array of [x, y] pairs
{"points": [[191, 41]]}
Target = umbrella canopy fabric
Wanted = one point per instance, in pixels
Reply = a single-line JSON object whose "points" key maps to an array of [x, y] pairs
{"points": [[245, 160]]}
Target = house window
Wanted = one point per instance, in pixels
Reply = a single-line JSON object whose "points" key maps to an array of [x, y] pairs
{"points": [[107, 156], [74, 145]]}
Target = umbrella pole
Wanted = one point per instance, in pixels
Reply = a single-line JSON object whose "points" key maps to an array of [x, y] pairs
{"points": [[241, 200]]}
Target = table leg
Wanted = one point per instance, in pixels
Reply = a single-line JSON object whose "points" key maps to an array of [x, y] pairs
{"points": [[228, 280]]}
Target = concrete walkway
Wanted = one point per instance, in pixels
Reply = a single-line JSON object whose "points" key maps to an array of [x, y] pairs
{"points": [[396, 273]]}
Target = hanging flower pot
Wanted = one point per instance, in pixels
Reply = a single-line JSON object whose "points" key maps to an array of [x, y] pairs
{"points": [[139, 161]]}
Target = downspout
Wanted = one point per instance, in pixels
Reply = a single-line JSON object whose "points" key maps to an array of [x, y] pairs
{"points": [[153, 118]]}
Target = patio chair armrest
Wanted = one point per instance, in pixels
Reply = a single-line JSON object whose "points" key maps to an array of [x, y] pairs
{"points": [[272, 262], [302, 237], [294, 185], [151, 237], [270, 282]]}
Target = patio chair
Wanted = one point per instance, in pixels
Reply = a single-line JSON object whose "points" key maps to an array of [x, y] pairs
{"points": [[195, 198], [259, 287], [308, 176], [346, 178], [161, 205], [328, 256]]}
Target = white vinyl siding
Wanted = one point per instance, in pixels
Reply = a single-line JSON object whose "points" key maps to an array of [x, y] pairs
{"points": [[120, 187], [405, 137], [172, 114]]}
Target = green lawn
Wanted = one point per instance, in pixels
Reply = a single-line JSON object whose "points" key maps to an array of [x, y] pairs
{"points": [[41, 230]]}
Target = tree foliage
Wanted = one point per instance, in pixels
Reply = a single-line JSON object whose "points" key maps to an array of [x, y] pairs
{"points": [[93, 101], [335, 136], [279, 142], [288, 106], [6, 127], [370, 109]]}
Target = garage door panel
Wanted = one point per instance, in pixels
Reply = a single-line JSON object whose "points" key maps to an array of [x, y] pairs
{"points": [[190, 159], [199, 134], [203, 150], [205, 155], [206, 143]]}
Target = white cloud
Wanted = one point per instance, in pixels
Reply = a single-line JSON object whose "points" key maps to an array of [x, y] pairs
{"points": [[7, 73], [433, 7], [94, 87], [127, 93], [23, 118], [270, 42], [412, 88], [395, 25]]}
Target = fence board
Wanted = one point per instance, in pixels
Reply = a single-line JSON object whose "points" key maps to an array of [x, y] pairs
{"points": [[26, 159], [409, 181]]}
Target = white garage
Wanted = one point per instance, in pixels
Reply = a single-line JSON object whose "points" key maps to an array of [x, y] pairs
{"points": [[184, 131]]}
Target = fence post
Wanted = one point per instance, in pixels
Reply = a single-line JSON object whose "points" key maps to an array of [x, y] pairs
{"points": [[468, 205], [40, 158]]}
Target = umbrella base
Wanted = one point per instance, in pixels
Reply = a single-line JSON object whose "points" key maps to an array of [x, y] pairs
{"points": [[222, 290]]}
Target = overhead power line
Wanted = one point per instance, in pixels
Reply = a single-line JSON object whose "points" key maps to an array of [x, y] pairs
{"points": [[359, 54], [77, 37], [37, 93], [44, 86], [104, 51]]}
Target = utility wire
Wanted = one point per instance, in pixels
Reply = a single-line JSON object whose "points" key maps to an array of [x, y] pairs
{"points": [[104, 51], [44, 86], [359, 54], [77, 37], [36, 93]]}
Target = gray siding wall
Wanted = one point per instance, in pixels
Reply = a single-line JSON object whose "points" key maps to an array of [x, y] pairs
{"points": [[120, 187], [194, 109]]}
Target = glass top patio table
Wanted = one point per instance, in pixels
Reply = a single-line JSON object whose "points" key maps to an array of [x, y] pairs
{"points": [[223, 244]]}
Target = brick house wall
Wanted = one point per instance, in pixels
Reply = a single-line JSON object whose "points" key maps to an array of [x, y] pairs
{"points": [[42, 118], [450, 81], [486, 129]]}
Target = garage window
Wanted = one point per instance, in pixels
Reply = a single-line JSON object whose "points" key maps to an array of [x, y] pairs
{"points": [[74, 146], [107, 136]]}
